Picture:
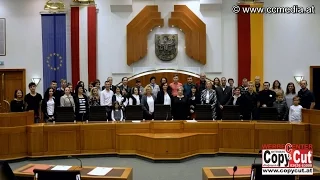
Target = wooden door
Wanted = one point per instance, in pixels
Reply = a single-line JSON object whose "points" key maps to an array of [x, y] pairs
{"points": [[10, 80]]}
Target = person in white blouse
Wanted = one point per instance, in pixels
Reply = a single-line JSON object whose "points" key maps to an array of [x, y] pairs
{"points": [[295, 110], [148, 102], [135, 98], [117, 96], [48, 105], [164, 95]]}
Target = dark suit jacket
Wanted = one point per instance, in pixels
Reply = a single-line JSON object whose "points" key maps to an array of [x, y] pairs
{"points": [[128, 89], [160, 97], [224, 96], [144, 103], [113, 88]]}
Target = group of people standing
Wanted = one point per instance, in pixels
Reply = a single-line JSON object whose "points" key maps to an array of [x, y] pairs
{"points": [[182, 98]]}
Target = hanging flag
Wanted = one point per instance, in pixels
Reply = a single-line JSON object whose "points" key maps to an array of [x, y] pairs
{"points": [[53, 48], [84, 54]]}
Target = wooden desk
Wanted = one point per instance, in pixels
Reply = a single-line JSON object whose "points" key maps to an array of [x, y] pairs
{"points": [[157, 140], [243, 173], [117, 173], [13, 134]]}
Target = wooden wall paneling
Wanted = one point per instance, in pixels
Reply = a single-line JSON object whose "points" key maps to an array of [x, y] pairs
{"points": [[131, 31], [97, 138], [61, 139], [13, 142], [137, 31], [201, 127], [166, 127], [145, 80], [197, 38], [35, 140], [202, 26], [208, 143], [315, 139], [16, 119], [272, 133], [187, 30], [300, 133], [126, 143], [143, 127], [236, 137]]}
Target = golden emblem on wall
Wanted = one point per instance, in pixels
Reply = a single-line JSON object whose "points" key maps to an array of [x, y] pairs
{"points": [[52, 56], [54, 5], [85, 2]]}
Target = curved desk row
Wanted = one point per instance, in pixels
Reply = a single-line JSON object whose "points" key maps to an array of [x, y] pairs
{"points": [[155, 140]]}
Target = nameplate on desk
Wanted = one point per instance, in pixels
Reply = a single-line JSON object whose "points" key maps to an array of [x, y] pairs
{"points": [[100, 171], [61, 168], [191, 121], [136, 121]]}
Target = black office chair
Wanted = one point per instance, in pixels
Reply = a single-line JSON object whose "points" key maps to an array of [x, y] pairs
{"points": [[56, 175], [6, 171], [268, 113]]}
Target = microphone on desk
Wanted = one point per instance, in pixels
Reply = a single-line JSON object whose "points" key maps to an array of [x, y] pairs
{"points": [[77, 159], [234, 170], [260, 151]]}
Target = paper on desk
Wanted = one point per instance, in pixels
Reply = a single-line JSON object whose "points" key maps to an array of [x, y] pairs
{"points": [[100, 171], [61, 168], [136, 121], [192, 121]]}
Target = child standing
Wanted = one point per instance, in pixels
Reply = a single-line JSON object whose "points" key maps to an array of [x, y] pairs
{"points": [[116, 114], [295, 110], [281, 106]]}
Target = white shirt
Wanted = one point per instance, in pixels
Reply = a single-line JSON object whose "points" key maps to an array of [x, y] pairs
{"points": [[119, 98], [295, 113], [106, 98], [150, 102], [235, 98], [155, 89], [137, 99], [50, 107], [207, 97], [166, 99]]}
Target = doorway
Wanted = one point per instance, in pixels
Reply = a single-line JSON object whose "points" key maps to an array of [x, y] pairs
{"points": [[10, 80], [315, 84]]}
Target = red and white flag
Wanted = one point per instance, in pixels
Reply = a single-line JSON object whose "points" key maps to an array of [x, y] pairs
{"points": [[83, 43]]}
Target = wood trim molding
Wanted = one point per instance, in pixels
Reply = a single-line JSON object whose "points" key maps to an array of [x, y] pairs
{"points": [[194, 29], [138, 30]]}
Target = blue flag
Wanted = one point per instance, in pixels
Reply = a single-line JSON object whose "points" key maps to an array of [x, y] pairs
{"points": [[53, 48]]}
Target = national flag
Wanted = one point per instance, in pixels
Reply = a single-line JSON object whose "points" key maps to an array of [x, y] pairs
{"points": [[84, 43]]}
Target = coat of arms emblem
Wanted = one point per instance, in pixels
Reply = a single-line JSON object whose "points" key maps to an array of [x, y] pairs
{"points": [[166, 46]]}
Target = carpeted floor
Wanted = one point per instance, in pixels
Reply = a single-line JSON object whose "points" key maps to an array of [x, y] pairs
{"points": [[146, 170]]}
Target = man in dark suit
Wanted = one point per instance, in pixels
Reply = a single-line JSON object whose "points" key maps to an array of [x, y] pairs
{"points": [[224, 93], [112, 87], [266, 97], [125, 85]]}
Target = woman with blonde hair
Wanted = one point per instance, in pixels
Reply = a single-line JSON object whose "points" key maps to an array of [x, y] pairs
{"points": [[94, 98], [148, 103], [180, 108]]}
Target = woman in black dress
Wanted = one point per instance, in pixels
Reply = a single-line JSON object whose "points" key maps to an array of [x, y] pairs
{"points": [[193, 100], [238, 100], [180, 106], [17, 104], [81, 104]]}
